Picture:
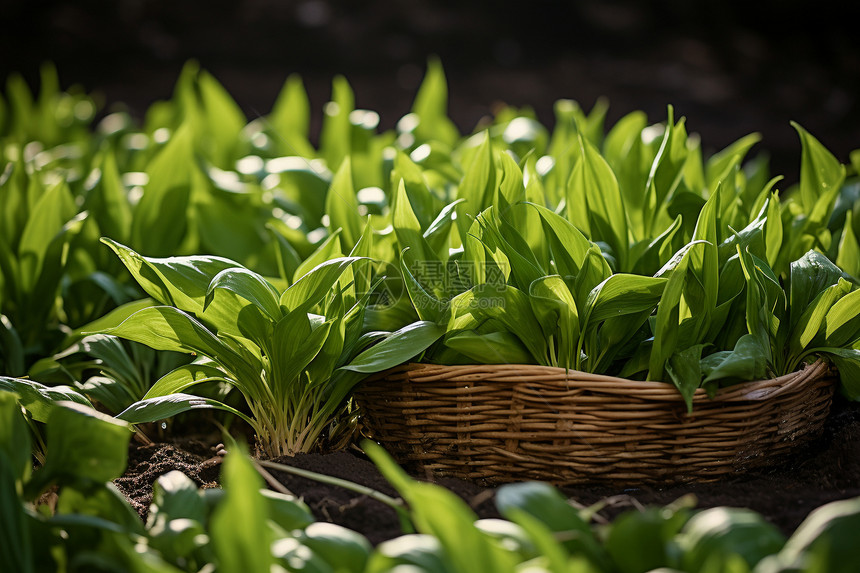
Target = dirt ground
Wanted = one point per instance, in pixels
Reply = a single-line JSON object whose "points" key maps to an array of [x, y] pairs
{"points": [[826, 469]]}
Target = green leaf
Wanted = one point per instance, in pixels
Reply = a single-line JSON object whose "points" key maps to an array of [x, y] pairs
{"points": [[542, 501], [758, 313], [186, 376], [510, 535], [326, 251], [287, 257], [809, 276], [304, 184], [336, 132], [556, 312], [162, 407], [229, 225], [397, 348], [511, 184], [50, 214], [112, 357], [720, 163], [224, 120], [14, 440], [20, 104], [421, 199], [287, 511], [685, 372], [623, 294], [511, 308], [773, 231], [705, 261], [431, 107], [16, 544], [290, 118], [160, 218], [11, 348], [239, 533], [490, 348], [40, 400], [110, 320], [84, 446], [848, 256], [477, 187], [720, 532], [847, 361], [666, 170], [175, 496], [747, 361], [343, 549], [546, 505], [423, 552], [249, 286], [166, 328], [508, 249], [309, 290], [666, 327], [85, 506], [825, 541], [623, 149], [438, 512], [568, 245], [812, 320], [842, 322], [594, 180], [409, 233], [656, 253], [551, 551], [182, 282], [114, 396], [342, 206], [295, 347], [821, 176], [426, 305], [639, 540]]}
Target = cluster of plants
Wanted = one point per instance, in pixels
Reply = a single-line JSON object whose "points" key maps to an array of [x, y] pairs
{"points": [[67, 516], [199, 261]]}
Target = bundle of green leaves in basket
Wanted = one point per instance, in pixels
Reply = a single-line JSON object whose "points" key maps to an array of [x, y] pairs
{"points": [[726, 294]]}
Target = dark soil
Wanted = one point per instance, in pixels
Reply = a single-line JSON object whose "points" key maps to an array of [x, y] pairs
{"points": [[827, 469], [146, 463]]}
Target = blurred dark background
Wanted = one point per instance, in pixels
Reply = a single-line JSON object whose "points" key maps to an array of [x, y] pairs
{"points": [[731, 67]]}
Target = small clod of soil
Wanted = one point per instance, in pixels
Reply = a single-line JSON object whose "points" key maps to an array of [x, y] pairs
{"points": [[146, 463]]}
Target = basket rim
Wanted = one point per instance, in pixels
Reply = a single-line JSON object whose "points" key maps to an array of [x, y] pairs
{"points": [[754, 390]]}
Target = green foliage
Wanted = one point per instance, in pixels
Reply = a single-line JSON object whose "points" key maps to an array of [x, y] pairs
{"points": [[821, 542], [442, 515], [623, 251], [294, 356], [710, 539]]}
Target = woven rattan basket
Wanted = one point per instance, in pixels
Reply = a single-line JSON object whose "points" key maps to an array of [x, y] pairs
{"points": [[502, 423]]}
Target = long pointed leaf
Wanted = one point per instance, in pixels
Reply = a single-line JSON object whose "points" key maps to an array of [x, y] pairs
{"points": [[397, 348], [179, 281], [186, 376], [162, 407]]}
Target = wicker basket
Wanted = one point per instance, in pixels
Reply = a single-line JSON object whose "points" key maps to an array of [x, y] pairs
{"points": [[502, 423]]}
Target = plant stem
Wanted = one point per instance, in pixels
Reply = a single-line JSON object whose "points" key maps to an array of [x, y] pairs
{"points": [[395, 503]]}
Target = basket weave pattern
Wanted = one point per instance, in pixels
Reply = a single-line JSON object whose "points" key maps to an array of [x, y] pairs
{"points": [[502, 423]]}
